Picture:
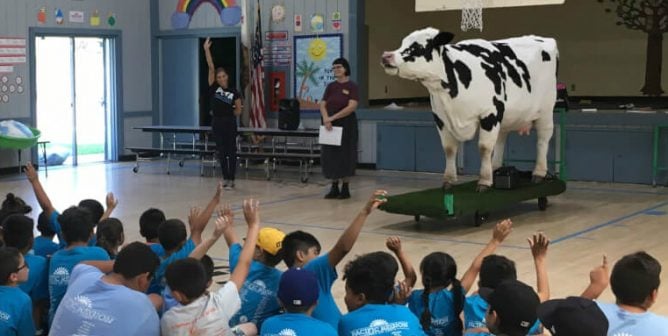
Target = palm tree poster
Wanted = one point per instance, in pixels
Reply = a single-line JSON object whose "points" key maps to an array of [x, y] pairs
{"points": [[314, 55]]}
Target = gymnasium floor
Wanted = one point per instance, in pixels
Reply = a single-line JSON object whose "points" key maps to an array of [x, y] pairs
{"points": [[587, 221]]}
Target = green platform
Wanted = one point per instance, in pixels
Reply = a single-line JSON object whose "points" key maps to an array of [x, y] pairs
{"points": [[463, 199]]}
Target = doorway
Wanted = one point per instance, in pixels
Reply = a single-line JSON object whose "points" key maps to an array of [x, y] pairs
{"points": [[74, 97]]}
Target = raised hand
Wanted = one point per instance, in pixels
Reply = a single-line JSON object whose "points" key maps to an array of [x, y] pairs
{"points": [[222, 224], [193, 216], [600, 274], [377, 198], [207, 43], [502, 230], [401, 292], [538, 244], [226, 211], [31, 173], [219, 190], [112, 202], [393, 243], [252, 211]]}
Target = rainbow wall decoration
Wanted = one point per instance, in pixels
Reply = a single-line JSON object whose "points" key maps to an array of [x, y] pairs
{"points": [[229, 11]]}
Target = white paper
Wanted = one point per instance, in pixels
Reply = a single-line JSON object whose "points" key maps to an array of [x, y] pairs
{"points": [[332, 137]]}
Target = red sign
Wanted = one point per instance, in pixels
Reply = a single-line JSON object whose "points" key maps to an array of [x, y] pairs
{"points": [[276, 36], [277, 86]]}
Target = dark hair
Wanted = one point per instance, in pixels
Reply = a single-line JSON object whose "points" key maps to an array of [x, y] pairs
{"points": [[496, 269], [44, 224], [634, 278], [18, 232], [372, 274], [439, 269], [221, 69], [110, 235], [149, 222], [343, 62], [271, 259], [10, 258], [172, 233], [76, 225], [13, 205], [94, 207], [135, 259], [187, 276], [294, 242], [207, 262]]}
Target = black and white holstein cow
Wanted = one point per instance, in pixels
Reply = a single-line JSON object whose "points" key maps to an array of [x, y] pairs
{"points": [[494, 86]]}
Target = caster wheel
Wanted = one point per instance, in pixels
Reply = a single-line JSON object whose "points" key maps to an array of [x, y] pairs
{"points": [[135, 170], [417, 218], [478, 219], [304, 179], [181, 164], [542, 203]]}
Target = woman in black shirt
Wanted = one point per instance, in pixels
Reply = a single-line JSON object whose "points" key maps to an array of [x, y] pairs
{"points": [[225, 108]]}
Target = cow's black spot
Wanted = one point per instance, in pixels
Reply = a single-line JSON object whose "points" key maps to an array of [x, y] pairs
{"points": [[416, 50], [463, 73], [492, 119], [450, 73], [438, 121], [546, 56]]}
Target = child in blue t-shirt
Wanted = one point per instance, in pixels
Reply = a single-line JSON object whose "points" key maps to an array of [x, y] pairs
{"points": [[77, 228], [258, 293], [369, 288], [15, 306], [496, 269], [149, 222], [18, 233], [440, 303], [44, 245], [110, 236], [298, 294], [301, 249]]}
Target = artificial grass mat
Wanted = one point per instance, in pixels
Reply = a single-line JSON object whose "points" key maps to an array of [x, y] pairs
{"points": [[464, 199]]}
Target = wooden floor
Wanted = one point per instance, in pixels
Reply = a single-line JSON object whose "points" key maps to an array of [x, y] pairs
{"points": [[587, 221]]}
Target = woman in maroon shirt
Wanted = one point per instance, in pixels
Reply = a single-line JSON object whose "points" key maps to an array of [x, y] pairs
{"points": [[337, 108]]}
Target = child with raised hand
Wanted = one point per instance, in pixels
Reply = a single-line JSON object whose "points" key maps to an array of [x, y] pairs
{"points": [[369, 286], [187, 280], [393, 244], [441, 301], [302, 249], [258, 294], [15, 305]]}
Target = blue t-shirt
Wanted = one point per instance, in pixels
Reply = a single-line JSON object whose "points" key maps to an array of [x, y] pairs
{"points": [[475, 308], [258, 293], [158, 283], [55, 227], [326, 310], [295, 325], [157, 249], [44, 246], [442, 309], [60, 268], [622, 322], [94, 307], [15, 312], [380, 320], [37, 286]]}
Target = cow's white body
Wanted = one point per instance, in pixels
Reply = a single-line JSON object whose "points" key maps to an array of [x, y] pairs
{"points": [[470, 101]]}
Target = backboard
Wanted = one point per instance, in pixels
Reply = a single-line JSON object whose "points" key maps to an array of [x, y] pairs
{"points": [[444, 5]]}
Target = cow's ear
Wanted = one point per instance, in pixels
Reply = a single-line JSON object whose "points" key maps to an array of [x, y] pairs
{"points": [[443, 38]]}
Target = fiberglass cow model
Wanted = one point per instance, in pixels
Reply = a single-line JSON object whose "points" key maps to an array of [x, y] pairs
{"points": [[494, 86]]}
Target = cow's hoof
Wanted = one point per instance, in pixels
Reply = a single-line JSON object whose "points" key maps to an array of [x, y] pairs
{"points": [[482, 188], [537, 179], [447, 186]]}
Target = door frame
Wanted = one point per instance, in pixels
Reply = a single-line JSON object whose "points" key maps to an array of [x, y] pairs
{"points": [[115, 103]]}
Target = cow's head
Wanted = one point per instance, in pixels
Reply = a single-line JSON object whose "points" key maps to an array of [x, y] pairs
{"points": [[419, 56]]}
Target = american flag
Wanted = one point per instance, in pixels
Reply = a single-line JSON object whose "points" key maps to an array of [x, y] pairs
{"points": [[257, 113]]}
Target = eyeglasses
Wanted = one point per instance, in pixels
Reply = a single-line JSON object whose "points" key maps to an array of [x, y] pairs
{"points": [[22, 267]]}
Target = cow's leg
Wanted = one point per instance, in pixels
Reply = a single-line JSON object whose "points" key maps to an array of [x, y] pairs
{"points": [[486, 143], [497, 156], [450, 145], [544, 130]]}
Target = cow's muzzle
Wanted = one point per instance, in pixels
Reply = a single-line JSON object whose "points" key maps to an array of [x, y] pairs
{"points": [[387, 60]]}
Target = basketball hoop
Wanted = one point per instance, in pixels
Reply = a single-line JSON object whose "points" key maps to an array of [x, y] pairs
{"points": [[471, 14]]}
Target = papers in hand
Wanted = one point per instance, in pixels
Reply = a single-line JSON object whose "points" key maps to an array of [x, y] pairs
{"points": [[330, 137]]}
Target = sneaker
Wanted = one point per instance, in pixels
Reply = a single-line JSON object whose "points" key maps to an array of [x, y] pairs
{"points": [[345, 192], [333, 192]]}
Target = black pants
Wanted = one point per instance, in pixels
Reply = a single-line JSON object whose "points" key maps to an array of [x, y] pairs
{"points": [[225, 135]]}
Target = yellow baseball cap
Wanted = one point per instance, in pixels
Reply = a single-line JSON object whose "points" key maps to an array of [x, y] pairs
{"points": [[270, 239]]}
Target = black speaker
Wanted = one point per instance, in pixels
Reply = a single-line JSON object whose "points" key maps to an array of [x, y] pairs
{"points": [[288, 114]]}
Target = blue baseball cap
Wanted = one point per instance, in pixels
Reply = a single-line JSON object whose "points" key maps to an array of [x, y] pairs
{"points": [[298, 288]]}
